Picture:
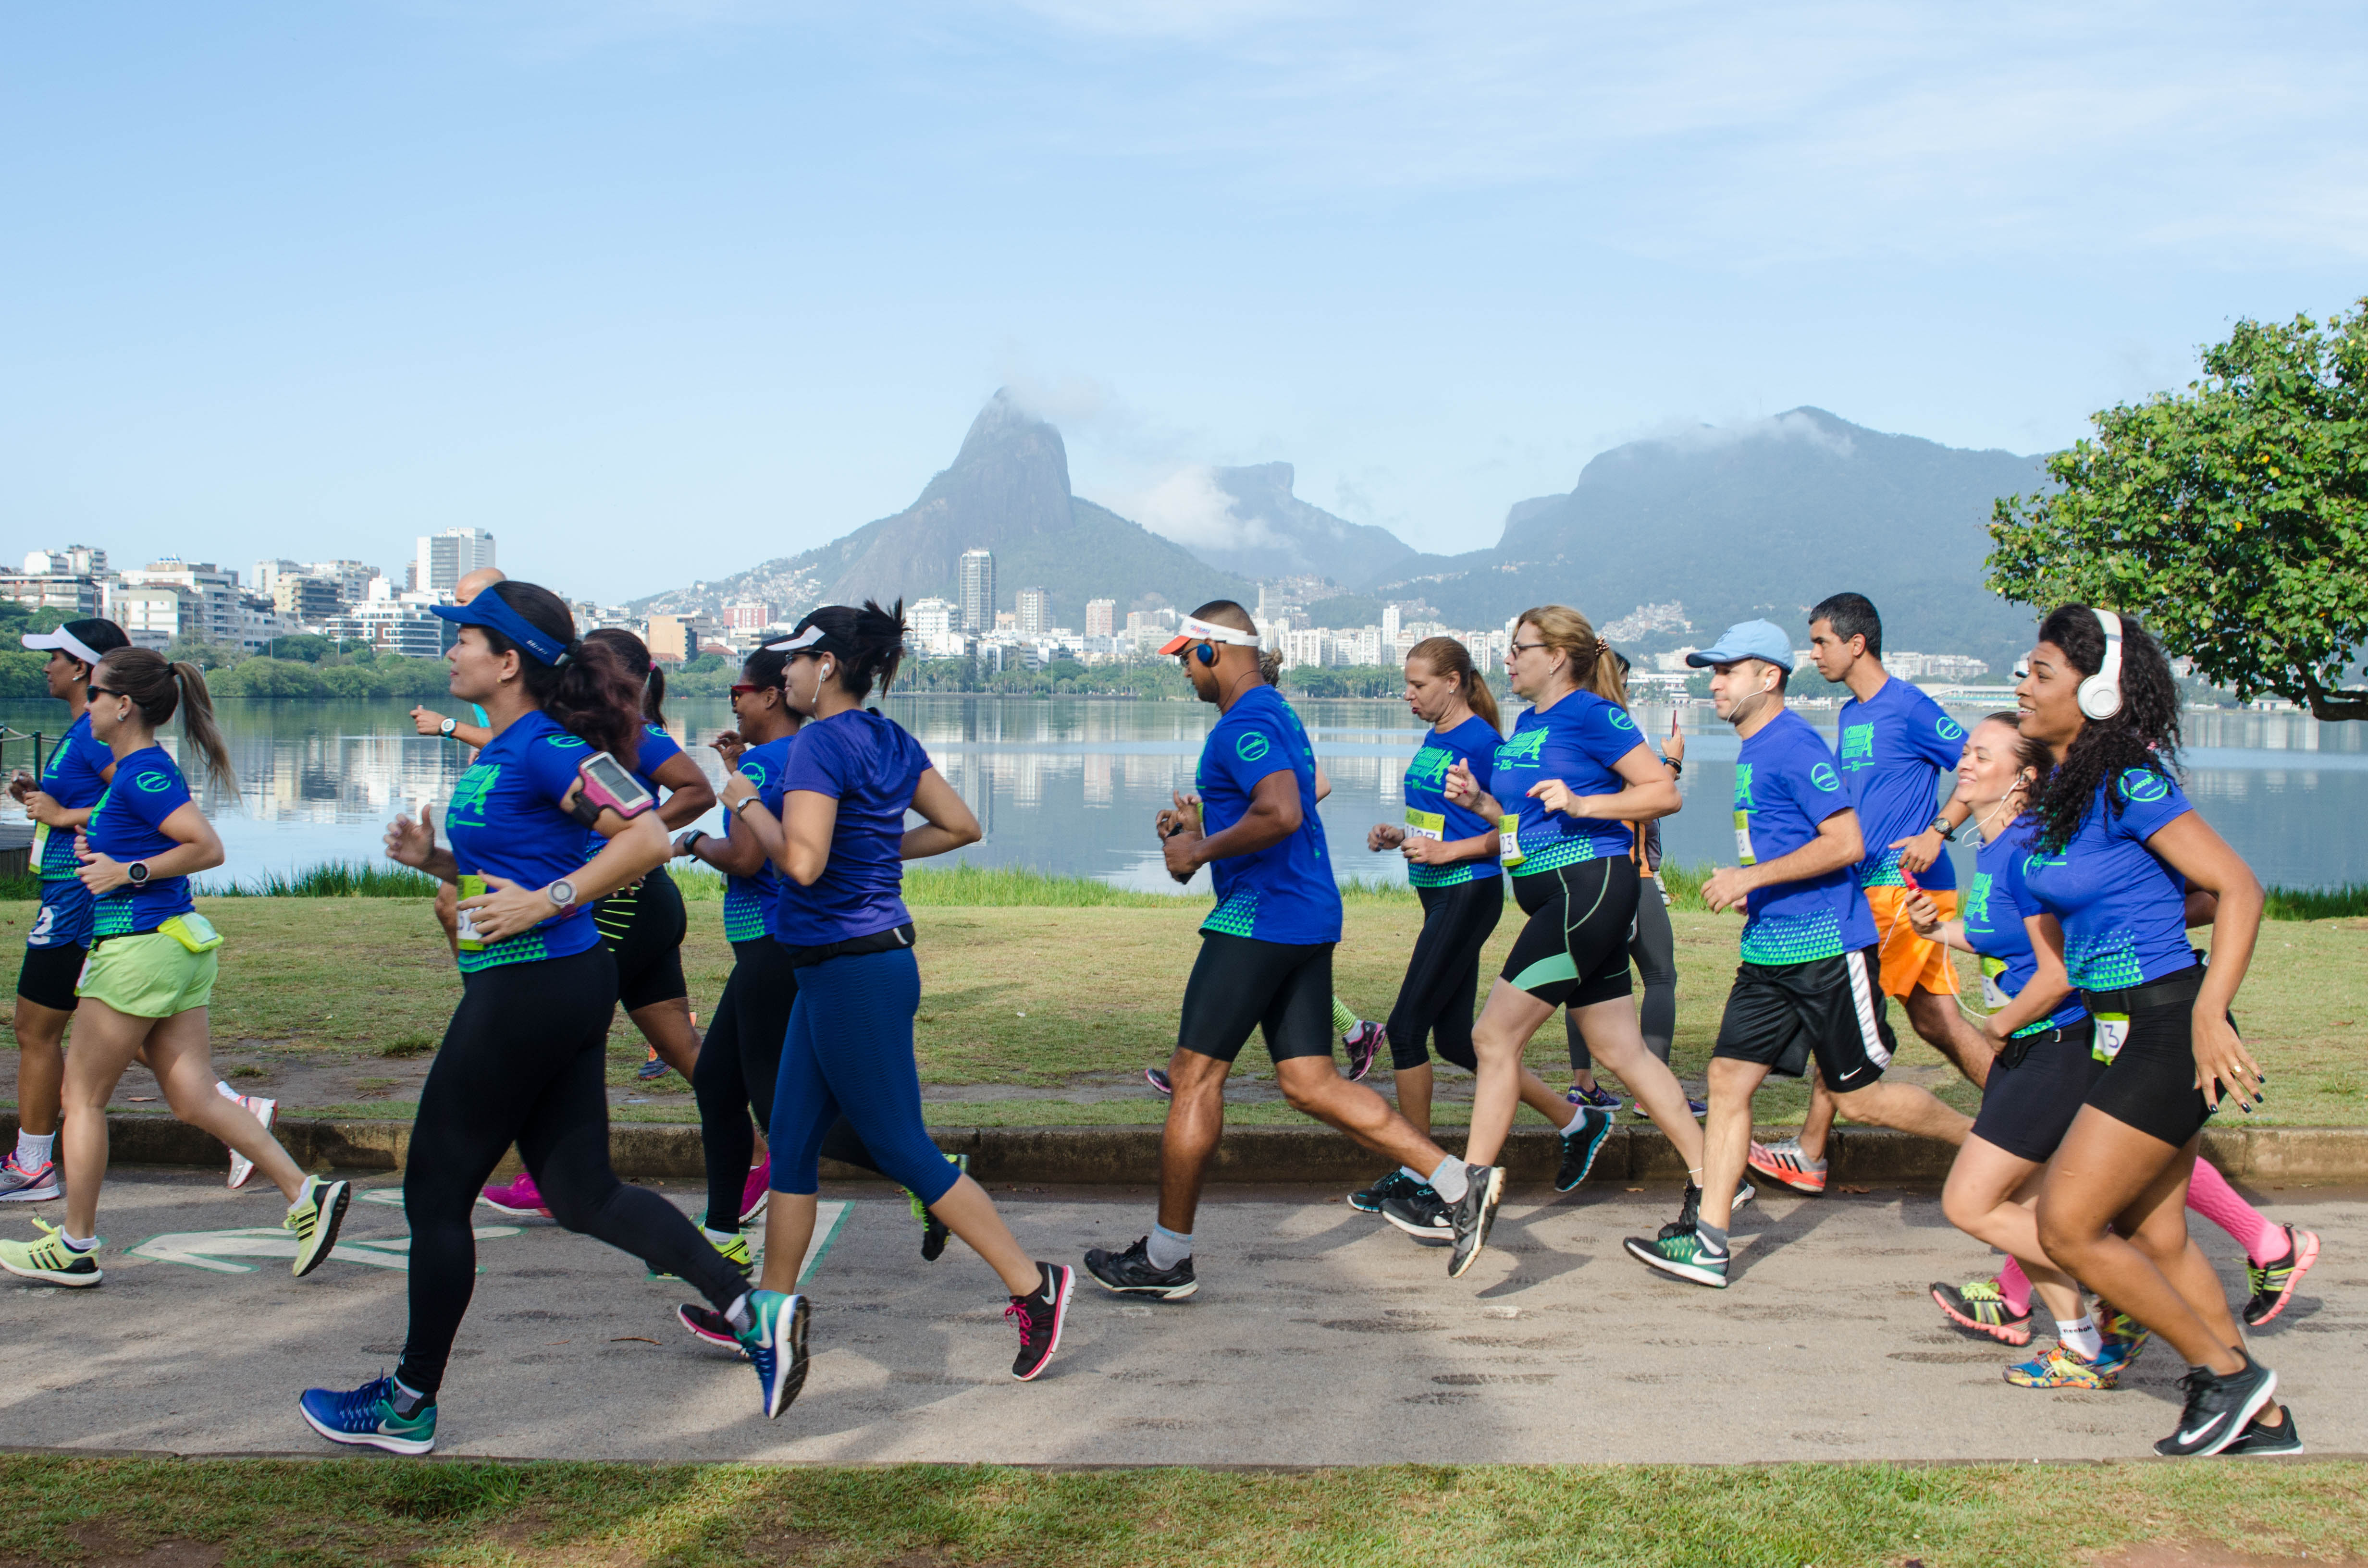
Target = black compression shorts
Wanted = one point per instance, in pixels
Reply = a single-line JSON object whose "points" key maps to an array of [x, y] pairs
{"points": [[1574, 952], [644, 925], [1781, 1015], [2028, 1107], [2150, 1084], [1240, 983], [50, 974], [1442, 977]]}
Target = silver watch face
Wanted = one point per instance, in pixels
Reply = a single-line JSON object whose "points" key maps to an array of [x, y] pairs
{"points": [[562, 892]]}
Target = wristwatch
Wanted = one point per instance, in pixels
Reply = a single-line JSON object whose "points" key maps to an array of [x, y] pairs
{"points": [[561, 892], [1946, 828], [690, 843], [138, 872], [447, 727], [742, 803]]}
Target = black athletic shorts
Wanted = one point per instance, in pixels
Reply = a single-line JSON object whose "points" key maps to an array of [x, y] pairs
{"points": [[1574, 952], [49, 973], [1240, 983], [1781, 1015], [644, 925], [2028, 1107], [2150, 1084]]}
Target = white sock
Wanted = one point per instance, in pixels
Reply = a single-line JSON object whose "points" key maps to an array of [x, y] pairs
{"points": [[738, 1313], [79, 1244], [224, 1090], [1694, 1178], [1452, 1180], [1579, 1123], [1168, 1248], [1407, 1171], [33, 1148], [720, 1238], [2080, 1337]]}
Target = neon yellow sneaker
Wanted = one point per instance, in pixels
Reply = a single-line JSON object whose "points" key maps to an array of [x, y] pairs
{"points": [[2059, 1367], [50, 1261]]}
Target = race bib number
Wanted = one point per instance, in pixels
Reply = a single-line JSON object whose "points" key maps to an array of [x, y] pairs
{"points": [[1425, 825], [1508, 841], [40, 846], [1743, 838], [2113, 1033], [1993, 997], [471, 940]]}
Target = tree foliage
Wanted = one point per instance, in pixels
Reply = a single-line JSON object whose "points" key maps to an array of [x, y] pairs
{"points": [[2231, 518]]}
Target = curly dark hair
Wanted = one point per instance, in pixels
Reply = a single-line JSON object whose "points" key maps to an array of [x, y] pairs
{"points": [[594, 696], [2144, 735]]}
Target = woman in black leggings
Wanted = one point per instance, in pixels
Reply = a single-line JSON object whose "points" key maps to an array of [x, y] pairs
{"points": [[1652, 944], [523, 1059]]}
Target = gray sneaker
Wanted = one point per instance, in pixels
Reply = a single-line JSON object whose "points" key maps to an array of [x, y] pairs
{"points": [[1474, 1216]]}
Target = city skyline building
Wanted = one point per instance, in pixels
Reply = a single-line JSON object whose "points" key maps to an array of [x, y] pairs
{"points": [[977, 590], [1031, 610], [443, 559]]}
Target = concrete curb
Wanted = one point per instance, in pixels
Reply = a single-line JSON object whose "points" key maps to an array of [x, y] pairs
{"points": [[1128, 1155]]}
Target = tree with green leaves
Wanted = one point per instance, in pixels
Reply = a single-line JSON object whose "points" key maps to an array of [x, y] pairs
{"points": [[2232, 517]]}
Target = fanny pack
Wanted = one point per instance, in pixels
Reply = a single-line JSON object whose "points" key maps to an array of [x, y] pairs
{"points": [[886, 941], [2016, 1047], [193, 931]]}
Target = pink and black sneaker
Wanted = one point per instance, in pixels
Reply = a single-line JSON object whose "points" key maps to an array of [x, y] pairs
{"points": [[519, 1200]]}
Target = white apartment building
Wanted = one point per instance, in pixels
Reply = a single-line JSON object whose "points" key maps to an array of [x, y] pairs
{"points": [[1101, 618], [1033, 610], [403, 625], [210, 610], [977, 587], [444, 558], [937, 628]]}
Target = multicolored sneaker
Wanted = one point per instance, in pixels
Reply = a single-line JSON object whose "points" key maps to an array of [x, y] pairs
{"points": [[2059, 1367], [315, 1217], [2273, 1284], [2122, 1335], [712, 1326], [934, 1233], [520, 1198], [50, 1261], [1158, 1078], [757, 1190], [1364, 1042], [654, 1068], [1787, 1166], [27, 1184], [1681, 1253], [1599, 1096], [1581, 1142], [734, 1248], [776, 1344], [263, 1109], [366, 1418], [1980, 1305]]}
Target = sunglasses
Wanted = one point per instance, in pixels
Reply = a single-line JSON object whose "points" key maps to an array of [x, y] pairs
{"points": [[745, 687], [94, 690]]}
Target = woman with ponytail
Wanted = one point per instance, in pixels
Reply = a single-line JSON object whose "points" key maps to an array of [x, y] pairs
{"points": [[145, 988], [524, 1060], [2116, 850], [840, 844]]}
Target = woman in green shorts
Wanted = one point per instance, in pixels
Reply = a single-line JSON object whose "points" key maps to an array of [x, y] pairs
{"points": [[145, 988]]}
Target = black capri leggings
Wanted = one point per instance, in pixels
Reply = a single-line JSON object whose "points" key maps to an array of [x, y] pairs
{"points": [[523, 1062], [1653, 945], [1574, 952], [1442, 978], [644, 926]]}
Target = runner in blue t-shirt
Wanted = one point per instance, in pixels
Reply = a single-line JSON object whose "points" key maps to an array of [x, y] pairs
{"points": [[143, 991], [471, 731], [2115, 851], [524, 1060], [1805, 988], [840, 844], [1266, 949]]}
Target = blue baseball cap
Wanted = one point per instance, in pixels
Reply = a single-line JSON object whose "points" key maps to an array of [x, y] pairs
{"points": [[491, 611], [1747, 639]]}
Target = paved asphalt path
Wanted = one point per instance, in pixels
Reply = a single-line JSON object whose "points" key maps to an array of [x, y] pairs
{"points": [[1320, 1335]]}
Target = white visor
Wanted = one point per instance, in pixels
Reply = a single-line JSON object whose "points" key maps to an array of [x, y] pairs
{"points": [[1194, 631], [42, 641]]}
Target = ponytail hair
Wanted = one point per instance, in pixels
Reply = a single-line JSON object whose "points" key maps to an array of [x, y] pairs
{"points": [[159, 689], [1271, 665], [2144, 735], [1446, 657], [636, 654], [868, 643], [591, 693], [1593, 666]]}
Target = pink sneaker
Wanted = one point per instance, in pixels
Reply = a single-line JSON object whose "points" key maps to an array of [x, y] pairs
{"points": [[264, 1111], [519, 1198], [757, 1190]]}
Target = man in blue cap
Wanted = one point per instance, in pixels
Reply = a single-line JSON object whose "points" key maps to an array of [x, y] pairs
{"points": [[1807, 984]]}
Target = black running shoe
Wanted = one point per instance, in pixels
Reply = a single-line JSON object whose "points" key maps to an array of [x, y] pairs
{"points": [[2258, 1441], [1158, 1078], [1690, 1212], [1130, 1273], [1420, 1214], [1369, 1200], [1040, 1315], [1475, 1217], [712, 1326], [1581, 1146], [2217, 1408]]}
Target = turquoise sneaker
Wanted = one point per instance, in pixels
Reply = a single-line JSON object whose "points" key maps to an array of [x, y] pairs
{"points": [[365, 1417], [1681, 1253], [776, 1344]]}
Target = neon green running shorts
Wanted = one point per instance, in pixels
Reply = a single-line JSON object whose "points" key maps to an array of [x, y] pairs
{"points": [[148, 977]]}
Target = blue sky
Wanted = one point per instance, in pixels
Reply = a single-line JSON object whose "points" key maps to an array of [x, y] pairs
{"points": [[657, 289]]}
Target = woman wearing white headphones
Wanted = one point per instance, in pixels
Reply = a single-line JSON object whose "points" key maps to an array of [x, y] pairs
{"points": [[2114, 848]]}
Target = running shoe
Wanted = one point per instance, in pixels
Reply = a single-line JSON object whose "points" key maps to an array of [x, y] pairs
{"points": [[366, 1418], [1698, 1107], [27, 1184], [757, 1191], [1785, 1164], [1130, 1273], [712, 1326], [2217, 1408], [2256, 1441], [316, 1216], [1369, 1200], [1158, 1078], [1364, 1042], [1580, 1148], [2273, 1283], [1690, 1211], [2122, 1336], [651, 1069], [1421, 1213], [1683, 1254], [775, 1342], [734, 1248], [1039, 1316], [934, 1233], [521, 1198], [50, 1261], [1980, 1305], [2061, 1367], [1599, 1097], [1474, 1215], [264, 1111]]}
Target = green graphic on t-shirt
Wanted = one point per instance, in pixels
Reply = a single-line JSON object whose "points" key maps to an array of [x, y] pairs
{"points": [[1250, 747], [469, 795], [1529, 746], [1743, 801], [1429, 769], [1857, 746], [1977, 901]]}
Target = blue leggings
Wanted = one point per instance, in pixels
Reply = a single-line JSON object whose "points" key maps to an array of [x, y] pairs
{"points": [[850, 1052]]}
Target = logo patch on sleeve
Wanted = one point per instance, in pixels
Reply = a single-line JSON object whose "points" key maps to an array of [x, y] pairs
{"points": [[1949, 730], [155, 783], [1251, 746], [1824, 778], [2144, 786]]}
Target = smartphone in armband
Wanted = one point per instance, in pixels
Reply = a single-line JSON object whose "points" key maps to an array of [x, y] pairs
{"points": [[608, 785]]}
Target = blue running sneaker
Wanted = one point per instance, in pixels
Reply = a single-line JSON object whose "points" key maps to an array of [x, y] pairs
{"points": [[1599, 1096], [776, 1344], [366, 1418], [1582, 1141]]}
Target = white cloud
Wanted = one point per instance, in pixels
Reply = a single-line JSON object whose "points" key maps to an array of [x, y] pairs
{"points": [[1794, 426], [1186, 507]]}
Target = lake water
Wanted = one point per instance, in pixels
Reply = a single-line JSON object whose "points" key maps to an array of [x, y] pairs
{"points": [[1070, 786]]}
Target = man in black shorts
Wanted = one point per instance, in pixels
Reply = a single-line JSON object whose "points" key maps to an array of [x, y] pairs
{"points": [[1809, 983], [1266, 960]]}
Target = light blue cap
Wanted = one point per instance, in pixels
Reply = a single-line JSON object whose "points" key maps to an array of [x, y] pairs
{"points": [[1747, 639]]}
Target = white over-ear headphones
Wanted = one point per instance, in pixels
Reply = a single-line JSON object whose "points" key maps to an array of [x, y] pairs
{"points": [[2101, 694]]}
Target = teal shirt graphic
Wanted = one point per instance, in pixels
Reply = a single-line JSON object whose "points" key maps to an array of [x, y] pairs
{"points": [[1475, 742], [2123, 909], [1894, 749]]}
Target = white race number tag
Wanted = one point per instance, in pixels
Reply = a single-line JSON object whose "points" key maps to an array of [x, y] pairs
{"points": [[1425, 825], [471, 940], [2113, 1033], [1993, 995], [1508, 841], [1743, 838]]}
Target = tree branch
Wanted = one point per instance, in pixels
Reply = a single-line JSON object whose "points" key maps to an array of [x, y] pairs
{"points": [[2336, 706]]}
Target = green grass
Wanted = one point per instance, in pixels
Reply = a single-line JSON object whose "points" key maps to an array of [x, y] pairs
{"points": [[333, 878], [61, 1512], [2349, 901]]}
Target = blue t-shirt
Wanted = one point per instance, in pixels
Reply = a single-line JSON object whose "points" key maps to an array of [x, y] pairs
{"points": [[1577, 741], [1893, 748], [1430, 813], [656, 749], [1995, 909], [1283, 893], [749, 901], [1785, 786], [871, 767], [72, 778], [129, 825], [2123, 910], [506, 821]]}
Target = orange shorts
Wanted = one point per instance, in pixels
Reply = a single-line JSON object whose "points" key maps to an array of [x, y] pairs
{"points": [[1908, 960]]}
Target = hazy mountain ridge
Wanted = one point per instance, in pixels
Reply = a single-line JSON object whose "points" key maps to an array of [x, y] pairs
{"points": [[1276, 534]]}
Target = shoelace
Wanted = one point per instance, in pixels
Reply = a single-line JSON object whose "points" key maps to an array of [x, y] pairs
{"points": [[1025, 1320]]}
